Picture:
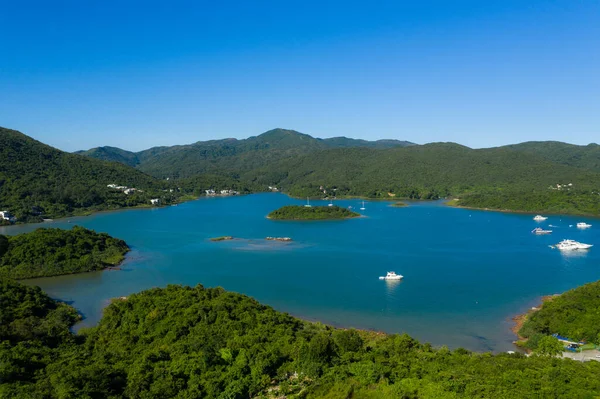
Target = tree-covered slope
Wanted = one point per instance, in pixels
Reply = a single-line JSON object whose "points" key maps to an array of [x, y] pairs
{"points": [[112, 154], [34, 332], [209, 343], [574, 314], [229, 156], [345, 142], [54, 252], [585, 157], [38, 179], [425, 171]]}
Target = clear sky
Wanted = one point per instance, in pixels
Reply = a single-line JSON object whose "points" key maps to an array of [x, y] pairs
{"points": [[80, 74]]}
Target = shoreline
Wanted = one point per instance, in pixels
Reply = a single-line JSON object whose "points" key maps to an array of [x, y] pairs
{"points": [[520, 319], [587, 215], [91, 213]]}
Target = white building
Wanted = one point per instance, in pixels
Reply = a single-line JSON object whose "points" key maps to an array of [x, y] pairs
{"points": [[155, 201], [6, 215]]}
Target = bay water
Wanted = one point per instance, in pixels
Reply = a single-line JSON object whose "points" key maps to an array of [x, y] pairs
{"points": [[466, 272]]}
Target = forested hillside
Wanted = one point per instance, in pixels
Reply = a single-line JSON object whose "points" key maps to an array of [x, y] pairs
{"points": [[197, 342], [54, 252], [230, 156], [423, 171], [586, 157], [574, 314], [37, 181]]}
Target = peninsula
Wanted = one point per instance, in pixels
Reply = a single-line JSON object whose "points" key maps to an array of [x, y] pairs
{"points": [[54, 252], [296, 212]]}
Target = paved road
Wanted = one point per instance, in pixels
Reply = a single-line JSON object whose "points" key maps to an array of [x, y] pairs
{"points": [[584, 356]]}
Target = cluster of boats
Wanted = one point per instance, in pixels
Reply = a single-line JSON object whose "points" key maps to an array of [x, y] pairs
{"points": [[564, 245]]}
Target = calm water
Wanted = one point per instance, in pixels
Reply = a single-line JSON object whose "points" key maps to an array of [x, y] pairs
{"points": [[466, 272]]}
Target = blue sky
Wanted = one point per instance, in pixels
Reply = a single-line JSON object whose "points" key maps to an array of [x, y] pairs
{"points": [[80, 74]]}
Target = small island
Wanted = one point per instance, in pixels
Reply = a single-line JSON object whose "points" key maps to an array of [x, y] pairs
{"points": [[222, 238], [296, 212], [54, 252], [283, 239], [399, 204]]}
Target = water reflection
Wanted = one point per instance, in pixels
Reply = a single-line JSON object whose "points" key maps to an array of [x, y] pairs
{"points": [[391, 286]]}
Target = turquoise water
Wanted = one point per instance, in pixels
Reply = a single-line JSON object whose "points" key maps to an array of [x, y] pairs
{"points": [[466, 272]]}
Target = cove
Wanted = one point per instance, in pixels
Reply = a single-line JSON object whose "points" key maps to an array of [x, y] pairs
{"points": [[466, 271]]}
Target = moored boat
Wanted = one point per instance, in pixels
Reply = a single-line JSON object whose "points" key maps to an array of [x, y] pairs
{"points": [[391, 276], [572, 245], [539, 218], [583, 225], [540, 231]]}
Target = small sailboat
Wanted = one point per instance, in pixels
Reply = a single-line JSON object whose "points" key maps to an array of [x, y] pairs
{"points": [[363, 206], [330, 202], [307, 203]]}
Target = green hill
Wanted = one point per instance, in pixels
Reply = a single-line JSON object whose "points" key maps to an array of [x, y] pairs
{"points": [[37, 180], [112, 154], [423, 171], [229, 156], [573, 314], [196, 342], [54, 252], [585, 157]]}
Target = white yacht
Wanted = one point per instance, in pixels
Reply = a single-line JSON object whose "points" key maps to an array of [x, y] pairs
{"points": [[539, 218], [307, 203], [391, 276], [539, 231], [330, 203], [363, 206], [571, 245], [583, 225]]}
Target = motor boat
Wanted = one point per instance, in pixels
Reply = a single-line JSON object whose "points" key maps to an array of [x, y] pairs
{"points": [[583, 225], [539, 218], [391, 276], [540, 231], [572, 245]]}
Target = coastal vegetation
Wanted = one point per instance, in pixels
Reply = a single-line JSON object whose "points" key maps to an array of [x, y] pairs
{"points": [[296, 212], [399, 204], [573, 314], [52, 252], [38, 181], [222, 238], [199, 342], [574, 202]]}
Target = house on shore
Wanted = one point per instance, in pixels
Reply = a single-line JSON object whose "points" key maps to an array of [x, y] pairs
{"points": [[6, 215], [155, 201]]}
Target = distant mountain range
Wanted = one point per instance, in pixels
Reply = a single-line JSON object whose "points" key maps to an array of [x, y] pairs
{"points": [[516, 177], [229, 154]]}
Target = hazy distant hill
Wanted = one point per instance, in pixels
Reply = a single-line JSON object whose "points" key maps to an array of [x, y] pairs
{"points": [[229, 155], [33, 174]]}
